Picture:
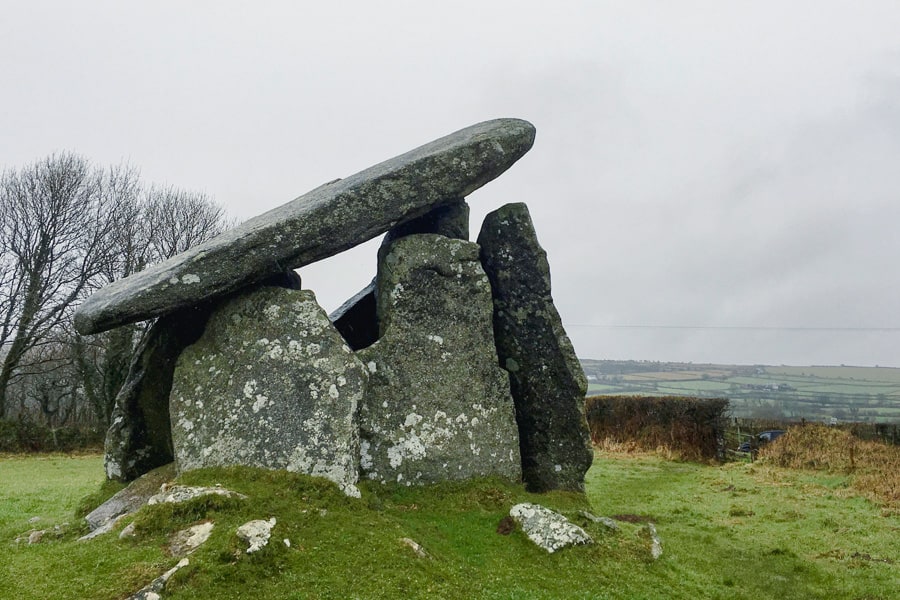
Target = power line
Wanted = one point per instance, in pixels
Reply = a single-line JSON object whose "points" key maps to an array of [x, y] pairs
{"points": [[740, 328]]}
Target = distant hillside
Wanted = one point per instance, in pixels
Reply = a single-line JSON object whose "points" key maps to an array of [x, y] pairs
{"points": [[861, 394]]}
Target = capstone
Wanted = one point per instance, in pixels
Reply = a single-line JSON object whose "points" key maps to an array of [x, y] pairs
{"points": [[318, 224]]}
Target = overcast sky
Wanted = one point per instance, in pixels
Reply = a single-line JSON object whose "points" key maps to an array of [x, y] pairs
{"points": [[712, 180]]}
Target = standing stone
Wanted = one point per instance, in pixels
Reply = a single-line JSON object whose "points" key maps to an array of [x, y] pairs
{"points": [[319, 224], [438, 406], [548, 383], [269, 384], [356, 318], [139, 438]]}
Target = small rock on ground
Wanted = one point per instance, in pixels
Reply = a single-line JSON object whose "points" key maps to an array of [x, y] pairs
{"points": [[655, 542], [605, 521], [417, 548], [188, 540], [183, 493], [256, 533], [152, 590], [546, 528]]}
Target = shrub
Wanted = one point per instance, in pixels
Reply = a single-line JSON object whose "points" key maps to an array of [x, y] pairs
{"points": [[9, 438], [874, 467], [690, 427], [28, 436]]}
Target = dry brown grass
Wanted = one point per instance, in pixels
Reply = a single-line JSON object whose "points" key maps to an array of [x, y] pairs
{"points": [[634, 448], [682, 426], [874, 467]]}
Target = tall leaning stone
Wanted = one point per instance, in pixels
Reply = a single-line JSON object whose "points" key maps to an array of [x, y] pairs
{"points": [[438, 406], [319, 224], [548, 383], [270, 384], [140, 437]]}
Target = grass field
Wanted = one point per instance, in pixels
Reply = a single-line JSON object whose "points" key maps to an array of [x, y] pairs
{"points": [[859, 394], [735, 531], [44, 486]]}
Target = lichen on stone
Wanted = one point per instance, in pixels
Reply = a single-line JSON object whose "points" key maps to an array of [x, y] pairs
{"points": [[256, 534], [547, 381], [279, 393], [546, 528], [438, 405]]}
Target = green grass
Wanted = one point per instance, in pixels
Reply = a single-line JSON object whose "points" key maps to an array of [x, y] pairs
{"points": [[745, 530], [45, 486], [596, 388], [885, 374], [733, 531]]}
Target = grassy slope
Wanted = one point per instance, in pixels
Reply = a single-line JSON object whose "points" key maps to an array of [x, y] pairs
{"points": [[738, 531]]}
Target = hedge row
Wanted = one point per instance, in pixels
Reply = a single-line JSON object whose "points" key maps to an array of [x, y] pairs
{"points": [[691, 427], [28, 436]]}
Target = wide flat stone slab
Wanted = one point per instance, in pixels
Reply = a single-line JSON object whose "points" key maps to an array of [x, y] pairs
{"points": [[319, 224]]}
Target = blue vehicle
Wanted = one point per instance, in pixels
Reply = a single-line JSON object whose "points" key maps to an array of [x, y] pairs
{"points": [[761, 440]]}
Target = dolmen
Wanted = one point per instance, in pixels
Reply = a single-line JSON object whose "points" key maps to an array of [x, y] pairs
{"points": [[452, 364]]}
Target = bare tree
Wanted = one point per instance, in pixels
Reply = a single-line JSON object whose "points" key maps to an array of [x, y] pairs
{"points": [[127, 235], [101, 361], [48, 383], [150, 226], [67, 228], [177, 220], [54, 236]]}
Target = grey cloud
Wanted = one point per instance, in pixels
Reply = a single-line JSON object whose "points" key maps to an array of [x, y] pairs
{"points": [[703, 164]]}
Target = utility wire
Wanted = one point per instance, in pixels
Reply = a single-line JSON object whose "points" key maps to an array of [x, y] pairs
{"points": [[739, 327]]}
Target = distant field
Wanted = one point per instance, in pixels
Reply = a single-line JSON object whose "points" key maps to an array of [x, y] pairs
{"points": [[864, 394], [882, 374]]}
